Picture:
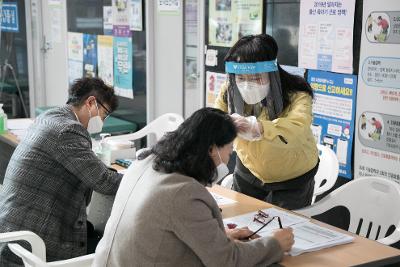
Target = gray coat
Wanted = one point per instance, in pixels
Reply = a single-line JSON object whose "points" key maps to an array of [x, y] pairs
{"points": [[48, 183], [172, 220]]}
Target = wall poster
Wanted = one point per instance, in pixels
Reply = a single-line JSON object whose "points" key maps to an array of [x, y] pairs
{"points": [[334, 112], [326, 35], [89, 55], [229, 20], [123, 66], [377, 143], [214, 82], [75, 56], [105, 58]]}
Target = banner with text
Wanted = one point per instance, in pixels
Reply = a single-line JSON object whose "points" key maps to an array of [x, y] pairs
{"points": [[326, 35], [334, 112], [377, 143]]}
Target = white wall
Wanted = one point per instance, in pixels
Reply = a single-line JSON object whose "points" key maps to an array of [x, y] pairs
{"points": [[165, 61]]}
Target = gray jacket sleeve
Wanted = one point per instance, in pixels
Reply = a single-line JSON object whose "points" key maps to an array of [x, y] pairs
{"points": [[74, 152], [197, 224]]}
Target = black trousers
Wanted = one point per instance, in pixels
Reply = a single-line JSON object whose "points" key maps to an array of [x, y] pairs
{"points": [[292, 194]]}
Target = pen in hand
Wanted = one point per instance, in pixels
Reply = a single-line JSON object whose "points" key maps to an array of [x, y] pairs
{"points": [[262, 227]]}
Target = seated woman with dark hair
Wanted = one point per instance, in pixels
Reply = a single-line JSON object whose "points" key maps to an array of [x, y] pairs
{"points": [[163, 214]]}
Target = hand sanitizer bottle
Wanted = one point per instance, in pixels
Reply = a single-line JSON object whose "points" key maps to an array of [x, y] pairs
{"points": [[3, 120]]}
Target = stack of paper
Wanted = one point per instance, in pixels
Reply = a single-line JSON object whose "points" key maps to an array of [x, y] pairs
{"points": [[308, 236]]}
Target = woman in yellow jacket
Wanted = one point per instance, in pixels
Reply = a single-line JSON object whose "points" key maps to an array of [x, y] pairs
{"points": [[277, 157]]}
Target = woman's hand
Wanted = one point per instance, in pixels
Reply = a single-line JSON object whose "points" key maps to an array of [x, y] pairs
{"points": [[248, 127], [285, 238], [240, 233]]}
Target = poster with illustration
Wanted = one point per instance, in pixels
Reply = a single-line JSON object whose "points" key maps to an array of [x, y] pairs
{"points": [[230, 20], [214, 82], [377, 142], [105, 58], [123, 77], [121, 11], [89, 55], [326, 35], [334, 114]]}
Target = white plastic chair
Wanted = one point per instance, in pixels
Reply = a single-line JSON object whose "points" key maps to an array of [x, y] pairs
{"points": [[37, 258], [373, 203], [100, 207], [165, 123], [328, 171]]}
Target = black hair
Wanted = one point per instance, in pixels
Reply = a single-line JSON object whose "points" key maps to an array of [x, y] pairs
{"points": [[186, 150], [81, 89], [379, 17], [263, 47]]}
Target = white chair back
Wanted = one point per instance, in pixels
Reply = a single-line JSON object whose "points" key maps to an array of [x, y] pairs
{"points": [[373, 203], [37, 244], [100, 206], [163, 124], [37, 258], [328, 171], [31, 260]]}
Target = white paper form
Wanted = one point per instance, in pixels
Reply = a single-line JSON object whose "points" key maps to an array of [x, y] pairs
{"points": [[222, 200], [247, 219], [310, 237]]}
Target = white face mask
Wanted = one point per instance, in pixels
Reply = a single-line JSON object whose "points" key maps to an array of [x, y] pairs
{"points": [[253, 92], [95, 124], [221, 171]]}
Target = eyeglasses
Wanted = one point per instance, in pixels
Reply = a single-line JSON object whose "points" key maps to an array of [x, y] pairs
{"points": [[108, 112], [264, 219]]}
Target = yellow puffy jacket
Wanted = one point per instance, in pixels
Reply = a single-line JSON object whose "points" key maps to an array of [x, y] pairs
{"points": [[271, 159]]}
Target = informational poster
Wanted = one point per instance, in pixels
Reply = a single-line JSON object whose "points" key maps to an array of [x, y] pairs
{"points": [[105, 58], [55, 14], [136, 18], [121, 17], [334, 114], [326, 35], [169, 6], [123, 66], [107, 20], [75, 56], [377, 144], [229, 20], [214, 82], [89, 55], [9, 17]]}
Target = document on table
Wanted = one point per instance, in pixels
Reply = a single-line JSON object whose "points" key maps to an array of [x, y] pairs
{"points": [[287, 219], [221, 200], [308, 236]]}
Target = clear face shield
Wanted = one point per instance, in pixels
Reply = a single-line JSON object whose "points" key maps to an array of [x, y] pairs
{"points": [[252, 79]]}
